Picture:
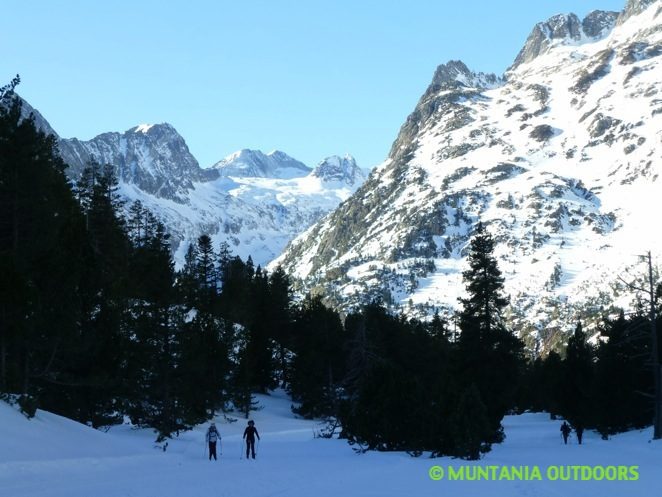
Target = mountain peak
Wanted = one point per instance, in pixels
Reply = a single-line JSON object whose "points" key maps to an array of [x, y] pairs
{"points": [[544, 34], [598, 23], [455, 74], [563, 29], [336, 168], [155, 158], [255, 163], [153, 129], [451, 71]]}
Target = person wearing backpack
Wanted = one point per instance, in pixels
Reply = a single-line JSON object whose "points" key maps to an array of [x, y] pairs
{"points": [[249, 434], [212, 437]]}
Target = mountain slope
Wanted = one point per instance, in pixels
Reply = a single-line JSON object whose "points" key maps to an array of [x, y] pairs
{"points": [[560, 158]]}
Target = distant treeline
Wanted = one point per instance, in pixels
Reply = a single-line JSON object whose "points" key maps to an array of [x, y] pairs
{"points": [[97, 325]]}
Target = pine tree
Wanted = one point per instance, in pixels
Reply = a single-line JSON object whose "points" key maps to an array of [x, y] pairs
{"points": [[470, 425], [159, 396], [206, 269], [490, 355], [398, 388], [278, 314], [620, 376], [578, 378], [44, 261], [186, 278], [260, 346], [318, 364]]}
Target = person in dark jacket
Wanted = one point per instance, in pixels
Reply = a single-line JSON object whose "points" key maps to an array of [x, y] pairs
{"points": [[212, 437], [565, 430], [249, 434], [579, 431]]}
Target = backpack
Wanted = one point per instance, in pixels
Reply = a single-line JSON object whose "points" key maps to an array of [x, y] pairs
{"points": [[212, 434]]}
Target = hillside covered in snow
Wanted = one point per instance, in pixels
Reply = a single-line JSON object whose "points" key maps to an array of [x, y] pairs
{"points": [[560, 157]]}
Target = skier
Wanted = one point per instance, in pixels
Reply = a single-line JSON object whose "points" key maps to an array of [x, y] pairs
{"points": [[565, 430], [249, 434], [212, 436], [579, 431]]}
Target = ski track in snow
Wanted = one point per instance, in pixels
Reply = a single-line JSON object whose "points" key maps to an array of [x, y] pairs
{"points": [[54, 457]]}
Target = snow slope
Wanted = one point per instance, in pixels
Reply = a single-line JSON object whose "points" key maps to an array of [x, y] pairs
{"points": [[50, 456]]}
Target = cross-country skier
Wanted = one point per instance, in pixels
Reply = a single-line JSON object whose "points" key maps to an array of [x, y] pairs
{"points": [[249, 434], [212, 436], [565, 430]]}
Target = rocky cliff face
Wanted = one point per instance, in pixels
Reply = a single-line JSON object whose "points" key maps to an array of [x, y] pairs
{"points": [[564, 29], [154, 158], [560, 159]]}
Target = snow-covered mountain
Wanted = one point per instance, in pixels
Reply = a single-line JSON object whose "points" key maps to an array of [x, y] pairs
{"points": [[255, 164], [254, 201], [154, 158], [256, 215], [560, 158], [340, 169]]}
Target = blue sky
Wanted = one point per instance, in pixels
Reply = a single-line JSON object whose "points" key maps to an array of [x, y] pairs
{"points": [[311, 78]]}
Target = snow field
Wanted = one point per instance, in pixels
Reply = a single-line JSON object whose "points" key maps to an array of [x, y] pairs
{"points": [[51, 456]]}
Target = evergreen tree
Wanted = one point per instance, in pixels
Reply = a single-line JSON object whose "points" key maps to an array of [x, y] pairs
{"points": [[44, 256], [278, 313], [104, 294], [470, 425], [578, 373], [160, 395], [206, 269], [490, 355], [318, 364], [186, 278], [236, 292], [208, 337], [398, 389], [260, 346], [548, 384], [620, 376]]}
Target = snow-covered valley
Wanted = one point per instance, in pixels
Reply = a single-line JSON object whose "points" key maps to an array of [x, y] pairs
{"points": [[50, 456]]}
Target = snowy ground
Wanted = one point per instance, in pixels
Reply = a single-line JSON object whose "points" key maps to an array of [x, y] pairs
{"points": [[52, 456]]}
